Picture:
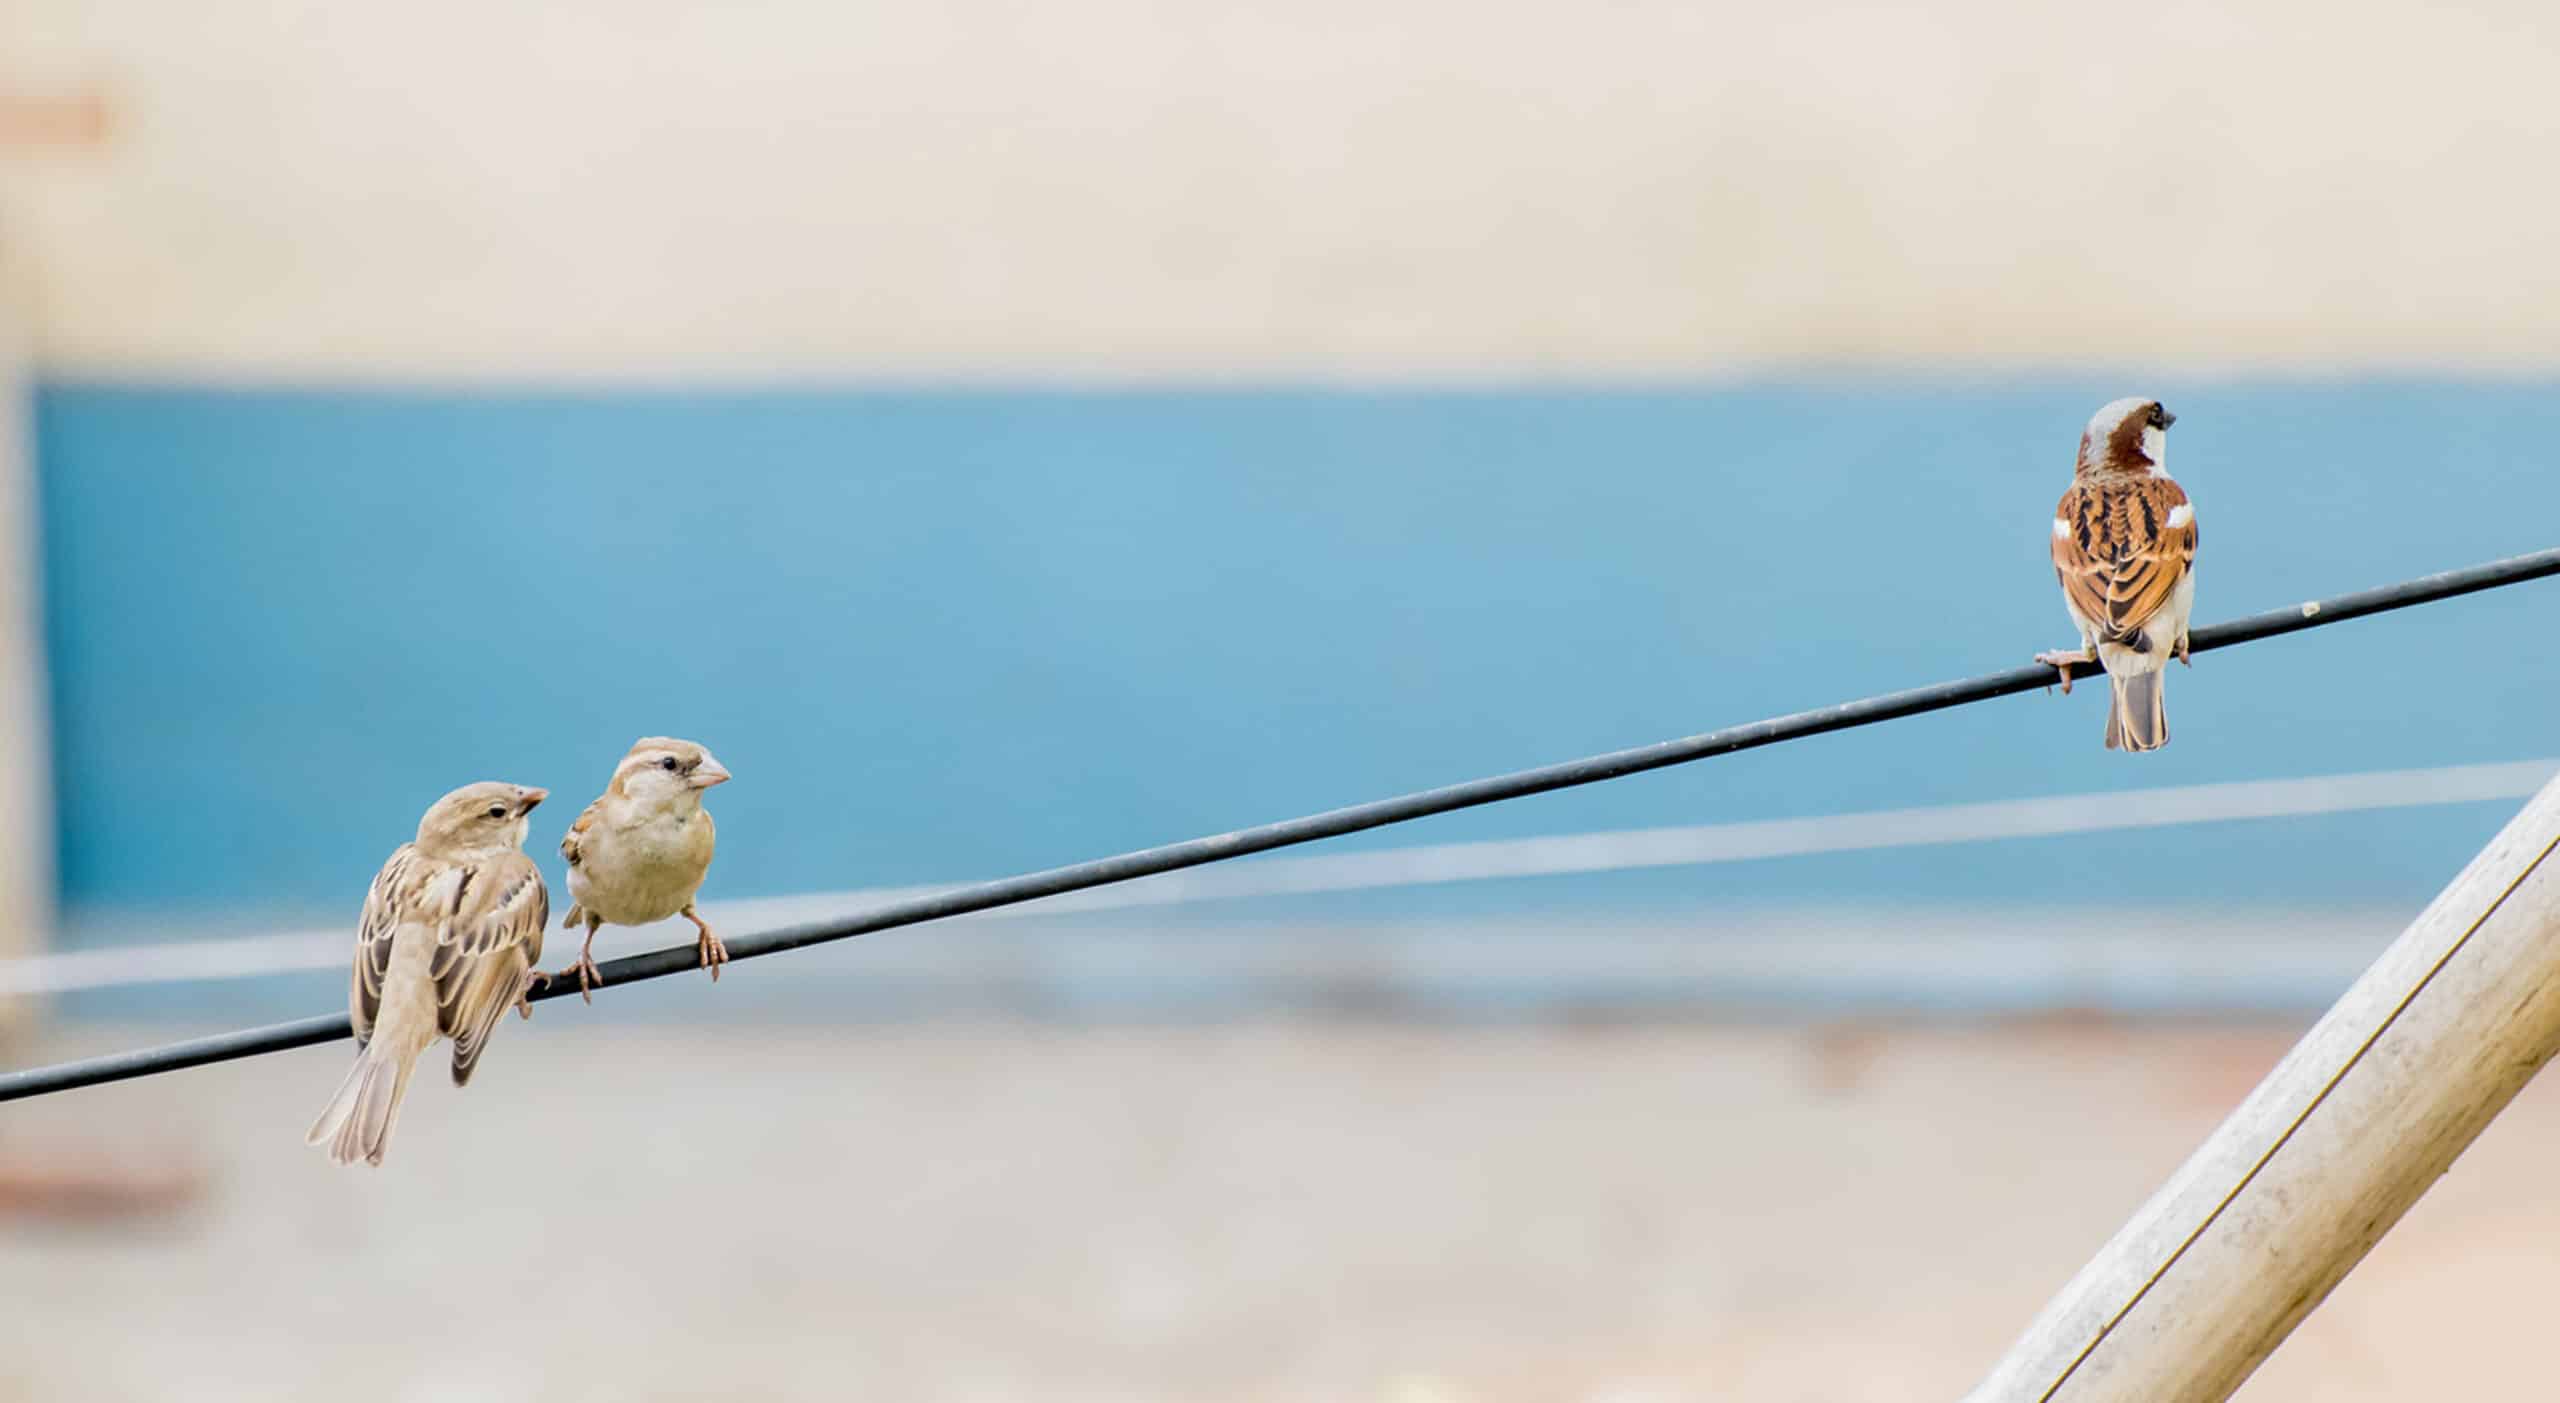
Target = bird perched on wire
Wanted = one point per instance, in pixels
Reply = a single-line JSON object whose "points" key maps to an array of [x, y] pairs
{"points": [[2124, 547], [448, 940], [639, 852]]}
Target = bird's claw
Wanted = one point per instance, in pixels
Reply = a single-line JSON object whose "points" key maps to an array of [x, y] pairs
{"points": [[2062, 662], [707, 942], [589, 978]]}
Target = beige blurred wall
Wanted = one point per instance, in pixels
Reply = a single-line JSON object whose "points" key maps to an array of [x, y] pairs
{"points": [[1327, 187], [26, 794]]}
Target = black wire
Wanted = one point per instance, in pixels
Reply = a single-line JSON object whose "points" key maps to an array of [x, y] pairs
{"points": [[1010, 891]]}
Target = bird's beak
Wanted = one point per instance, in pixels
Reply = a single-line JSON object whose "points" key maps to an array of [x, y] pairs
{"points": [[2167, 418], [709, 773], [531, 797]]}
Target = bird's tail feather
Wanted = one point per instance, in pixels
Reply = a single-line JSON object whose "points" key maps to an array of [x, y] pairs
{"points": [[2137, 720], [357, 1124]]}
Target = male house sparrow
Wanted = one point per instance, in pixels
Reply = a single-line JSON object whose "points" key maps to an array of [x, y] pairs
{"points": [[2124, 547], [639, 852], [448, 939]]}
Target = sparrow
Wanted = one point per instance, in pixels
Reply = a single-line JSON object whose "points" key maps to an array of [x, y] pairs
{"points": [[639, 852], [450, 932], [2124, 547]]}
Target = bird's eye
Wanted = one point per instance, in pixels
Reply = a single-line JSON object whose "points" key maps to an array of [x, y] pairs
{"points": [[667, 764], [497, 811], [2159, 417]]}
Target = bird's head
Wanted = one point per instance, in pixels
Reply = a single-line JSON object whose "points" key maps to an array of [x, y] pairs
{"points": [[478, 819], [2128, 436], [661, 768]]}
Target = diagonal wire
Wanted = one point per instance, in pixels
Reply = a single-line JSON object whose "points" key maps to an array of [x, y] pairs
{"points": [[1335, 823]]}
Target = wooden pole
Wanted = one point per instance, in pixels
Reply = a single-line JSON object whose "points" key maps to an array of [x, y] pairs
{"points": [[2291, 1191]]}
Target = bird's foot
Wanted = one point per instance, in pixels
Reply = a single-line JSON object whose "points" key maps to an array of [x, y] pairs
{"points": [[590, 978], [714, 953], [2062, 660], [2182, 652]]}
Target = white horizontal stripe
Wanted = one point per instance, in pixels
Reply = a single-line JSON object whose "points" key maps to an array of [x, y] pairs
{"points": [[1891, 828], [1876, 957], [1560, 854]]}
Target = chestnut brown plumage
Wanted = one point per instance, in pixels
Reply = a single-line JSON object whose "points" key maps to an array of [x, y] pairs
{"points": [[2124, 548]]}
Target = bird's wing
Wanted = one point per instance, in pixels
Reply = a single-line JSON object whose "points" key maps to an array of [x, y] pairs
{"points": [[2120, 548], [485, 948], [391, 899], [572, 843]]}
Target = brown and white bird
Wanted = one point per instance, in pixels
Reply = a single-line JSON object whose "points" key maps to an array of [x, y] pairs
{"points": [[2124, 547], [639, 852], [448, 940]]}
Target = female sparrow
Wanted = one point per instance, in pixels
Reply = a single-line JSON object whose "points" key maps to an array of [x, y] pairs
{"points": [[448, 939], [2124, 547], [639, 852]]}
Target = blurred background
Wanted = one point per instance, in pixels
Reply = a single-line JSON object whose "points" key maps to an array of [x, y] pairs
{"points": [[1013, 435]]}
